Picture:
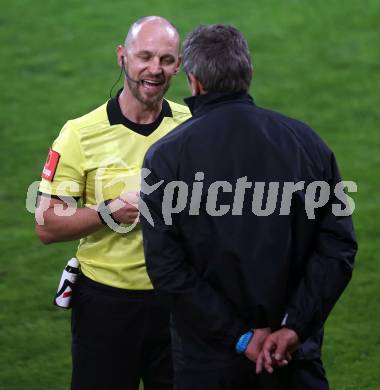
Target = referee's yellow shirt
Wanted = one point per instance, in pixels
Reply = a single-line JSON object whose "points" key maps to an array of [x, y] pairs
{"points": [[101, 154]]}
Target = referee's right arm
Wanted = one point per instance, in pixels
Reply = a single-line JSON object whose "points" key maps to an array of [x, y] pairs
{"points": [[52, 226], [57, 220]]}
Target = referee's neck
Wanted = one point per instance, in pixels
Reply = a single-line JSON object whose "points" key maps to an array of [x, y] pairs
{"points": [[137, 111]]}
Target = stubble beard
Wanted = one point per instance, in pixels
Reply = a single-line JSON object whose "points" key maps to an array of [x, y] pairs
{"points": [[150, 102]]}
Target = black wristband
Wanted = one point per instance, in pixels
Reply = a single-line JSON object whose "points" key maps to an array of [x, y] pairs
{"points": [[103, 208]]}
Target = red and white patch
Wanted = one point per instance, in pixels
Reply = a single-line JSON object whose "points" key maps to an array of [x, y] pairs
{"points": [[67, 294], [50, 165]]}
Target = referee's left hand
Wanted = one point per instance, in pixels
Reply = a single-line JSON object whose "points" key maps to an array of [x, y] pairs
{"points": [[124, 208]]}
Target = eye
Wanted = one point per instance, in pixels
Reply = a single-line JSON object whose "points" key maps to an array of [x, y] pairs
{"points": [[167, 60], [144, 57]]}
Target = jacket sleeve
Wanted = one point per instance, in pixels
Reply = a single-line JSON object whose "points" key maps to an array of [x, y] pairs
{"points": [[189, 298], [328, 269]]}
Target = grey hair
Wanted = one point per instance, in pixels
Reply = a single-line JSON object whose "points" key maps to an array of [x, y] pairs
{"points": [[219, 57]]}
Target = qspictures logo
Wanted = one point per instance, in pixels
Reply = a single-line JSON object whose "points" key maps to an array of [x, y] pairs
{"points": [[257, 197]]}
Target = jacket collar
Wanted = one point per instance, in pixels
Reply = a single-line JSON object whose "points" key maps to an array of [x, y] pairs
{"points": [[201, 103]]}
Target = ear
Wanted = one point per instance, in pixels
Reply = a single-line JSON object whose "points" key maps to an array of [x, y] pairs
{"points": [[195, 85], [178, 65], [121, 53]]}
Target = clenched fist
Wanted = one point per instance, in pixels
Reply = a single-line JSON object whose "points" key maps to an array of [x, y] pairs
{"points": [[124, 208]]}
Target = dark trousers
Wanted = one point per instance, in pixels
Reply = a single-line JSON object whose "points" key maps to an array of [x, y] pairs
{"points": [[119, 337], [299, 375]]}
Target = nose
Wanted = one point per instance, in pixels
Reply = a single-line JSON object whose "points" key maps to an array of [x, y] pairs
{"points": [[155, 66]]}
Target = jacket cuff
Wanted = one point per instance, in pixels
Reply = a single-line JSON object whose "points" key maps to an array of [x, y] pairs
{"points": [[236, 332], [302, 329]]}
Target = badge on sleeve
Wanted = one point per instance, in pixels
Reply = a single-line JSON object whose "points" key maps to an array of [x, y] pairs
{"points": [[50, 165]]}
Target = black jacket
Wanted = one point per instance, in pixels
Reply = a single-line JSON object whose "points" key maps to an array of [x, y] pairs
{"points": [[221, 275]]}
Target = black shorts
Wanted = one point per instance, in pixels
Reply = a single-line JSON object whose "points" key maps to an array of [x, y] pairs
{"points": [[119, 337]]}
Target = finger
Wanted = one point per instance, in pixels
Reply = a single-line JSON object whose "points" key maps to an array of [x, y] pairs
{"points": [[281, 349], [132, 213], [132, 220], [128, 218], [289, 356], [268, 346], [132, 201], [276, 363], [116, 205], [130, 207], [268, 367], [282, 363], [260, 363]]}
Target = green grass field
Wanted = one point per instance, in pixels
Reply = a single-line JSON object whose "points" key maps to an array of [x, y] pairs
{"points": [[316, 61]]}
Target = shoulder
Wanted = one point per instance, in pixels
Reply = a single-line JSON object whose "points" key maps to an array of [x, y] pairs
{"points": [[180, 111], [178, 108], [293, 129], [167, 150], [91, 120], [85, 129]]}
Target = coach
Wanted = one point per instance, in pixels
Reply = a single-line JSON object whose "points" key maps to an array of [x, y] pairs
{"points": [[225, 272]]}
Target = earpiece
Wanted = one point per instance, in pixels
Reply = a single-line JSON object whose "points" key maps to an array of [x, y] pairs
{"points": [[126, 73], [121, 72]]}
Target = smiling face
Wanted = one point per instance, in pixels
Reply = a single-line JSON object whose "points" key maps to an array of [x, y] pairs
{"points": [[151, 58]]}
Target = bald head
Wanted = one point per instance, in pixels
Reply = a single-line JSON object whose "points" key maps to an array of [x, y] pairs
{"points": [[151, 25], [150, 58]]}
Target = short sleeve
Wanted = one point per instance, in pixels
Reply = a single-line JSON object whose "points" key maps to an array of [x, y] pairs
{"points": [[68, 178]]}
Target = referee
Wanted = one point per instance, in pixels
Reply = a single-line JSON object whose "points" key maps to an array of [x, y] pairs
{"points": [[119, 331]]}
